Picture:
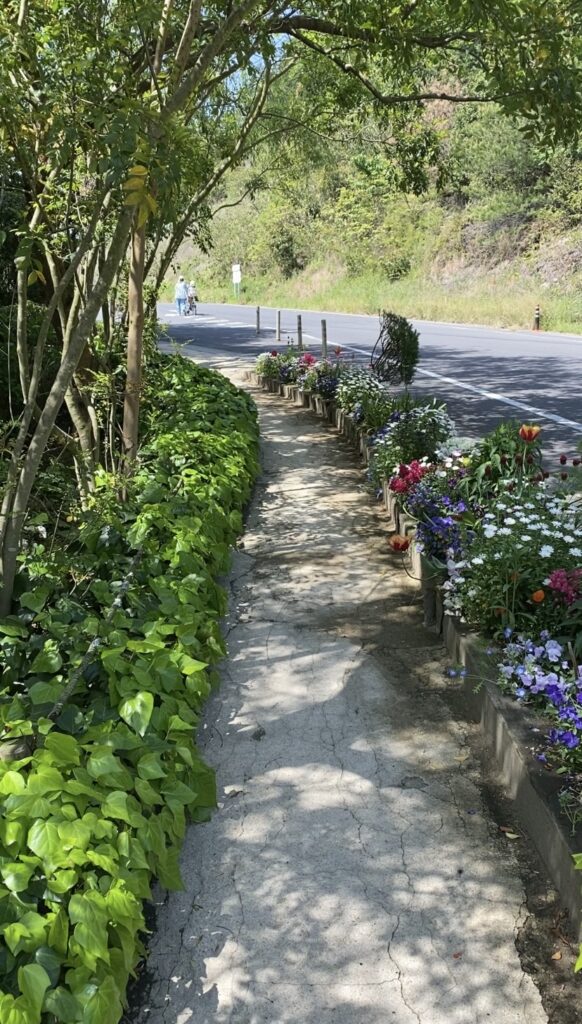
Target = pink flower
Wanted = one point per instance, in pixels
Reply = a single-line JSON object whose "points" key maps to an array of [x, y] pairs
{"points": [[308, 359], [566, 585]]}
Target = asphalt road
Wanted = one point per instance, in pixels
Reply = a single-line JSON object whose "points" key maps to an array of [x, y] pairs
{"points": [[484, 374]]}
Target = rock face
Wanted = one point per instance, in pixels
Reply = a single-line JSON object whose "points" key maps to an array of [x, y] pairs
{"points": [[349, 875]]}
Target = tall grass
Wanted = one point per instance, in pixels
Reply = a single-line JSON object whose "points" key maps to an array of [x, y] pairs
{"points": [[495, 302]]}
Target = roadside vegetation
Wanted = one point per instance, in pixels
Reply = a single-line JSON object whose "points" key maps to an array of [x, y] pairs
{"points": [[123, 474], [490, 230]]}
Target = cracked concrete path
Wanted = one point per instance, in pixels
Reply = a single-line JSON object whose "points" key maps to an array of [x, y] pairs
{"points": [[350, 874]]}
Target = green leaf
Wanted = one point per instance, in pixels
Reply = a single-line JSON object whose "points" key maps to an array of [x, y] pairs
{"points": [[12, 782], [189, 665], [45, 692], [58, 935], [33, 982], [74, 834], [61, 881], [43, 839], [13, 628], [64, 1006], [35, 599], [16, 875], [49, 659], [137, 711], [103, 1006], [103, 762], [149, 767], [64, 748], [50, 961]]}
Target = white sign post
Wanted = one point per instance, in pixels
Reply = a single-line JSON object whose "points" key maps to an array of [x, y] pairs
{"points": [[236, 278]]}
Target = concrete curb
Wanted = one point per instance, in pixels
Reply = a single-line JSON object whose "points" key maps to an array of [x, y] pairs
{"points": [[507, 729]]}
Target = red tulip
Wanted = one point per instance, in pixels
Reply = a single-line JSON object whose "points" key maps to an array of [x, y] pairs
{"points": [[399, 543], [529, 431]]}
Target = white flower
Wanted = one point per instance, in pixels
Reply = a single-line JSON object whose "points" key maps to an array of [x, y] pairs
{"points": [[509, 521], [489, 530], [546, 551], [489, 515], [477, 560], [525, 536], [569, 539], [577, 552], [505, 531]]}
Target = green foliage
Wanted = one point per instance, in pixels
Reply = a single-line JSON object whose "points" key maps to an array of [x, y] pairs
{"points": [[502, 460], [414, 432], [106, 664]]}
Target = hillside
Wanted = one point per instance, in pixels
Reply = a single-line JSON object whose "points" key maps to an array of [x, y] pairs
{"points": [[480, 230]]}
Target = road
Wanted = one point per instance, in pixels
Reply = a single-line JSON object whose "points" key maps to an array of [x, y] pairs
{"points": [[484, 374]]}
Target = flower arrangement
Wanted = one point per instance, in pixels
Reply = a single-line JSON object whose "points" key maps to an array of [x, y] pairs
{"points": [[411, 433]]}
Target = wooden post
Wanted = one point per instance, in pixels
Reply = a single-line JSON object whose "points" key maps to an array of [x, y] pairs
{"points": [[299, 333], [537, 319], [324, 339], [258, 320], [278, 328]]}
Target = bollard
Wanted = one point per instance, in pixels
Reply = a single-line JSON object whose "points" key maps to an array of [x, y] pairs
{"points": [[537, 319], [278, 327], [324, 339], [299, 333], [258, 320]]}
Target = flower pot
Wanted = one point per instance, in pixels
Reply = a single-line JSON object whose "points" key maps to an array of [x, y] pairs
{"points": [[299, 397]]}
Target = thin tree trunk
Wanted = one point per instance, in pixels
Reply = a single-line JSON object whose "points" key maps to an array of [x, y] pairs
{"points": [[135, 306], [14, 515]]}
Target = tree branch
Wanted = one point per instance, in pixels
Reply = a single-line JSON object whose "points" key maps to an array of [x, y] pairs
{"points": [[387, 99]]}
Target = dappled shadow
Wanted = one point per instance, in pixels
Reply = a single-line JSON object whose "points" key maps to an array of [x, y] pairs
{"points": [[349, 875]]}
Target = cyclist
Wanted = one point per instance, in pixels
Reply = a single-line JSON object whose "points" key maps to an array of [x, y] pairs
{"points": [[192, 298]]}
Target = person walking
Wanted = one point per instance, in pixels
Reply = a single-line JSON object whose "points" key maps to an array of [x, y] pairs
{"points": [[181, 294]]}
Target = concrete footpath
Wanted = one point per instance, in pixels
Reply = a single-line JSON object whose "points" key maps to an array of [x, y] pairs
{"points": [[351, 874]]}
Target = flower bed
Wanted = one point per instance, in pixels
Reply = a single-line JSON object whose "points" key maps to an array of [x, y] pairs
{"points": [[505, 541], [106, 664]]}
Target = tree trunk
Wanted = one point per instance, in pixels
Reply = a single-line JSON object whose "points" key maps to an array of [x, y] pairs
{"points": [[13, 515], [135, 306]]}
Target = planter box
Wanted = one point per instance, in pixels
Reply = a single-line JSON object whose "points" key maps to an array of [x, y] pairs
{"points": [[320, 404], [289, 391], [339, 419], [507, 729], [298, 397]]}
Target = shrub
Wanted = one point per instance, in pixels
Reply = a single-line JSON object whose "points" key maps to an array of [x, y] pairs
{"points": [[396, 353], [106, 666]]}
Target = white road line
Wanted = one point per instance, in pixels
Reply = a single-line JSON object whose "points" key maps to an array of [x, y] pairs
{"points": [[489, 394]]}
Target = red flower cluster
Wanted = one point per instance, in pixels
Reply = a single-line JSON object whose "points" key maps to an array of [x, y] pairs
{"points": [[273, 352], [407, 476], [567, 585], [307, 359]]}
